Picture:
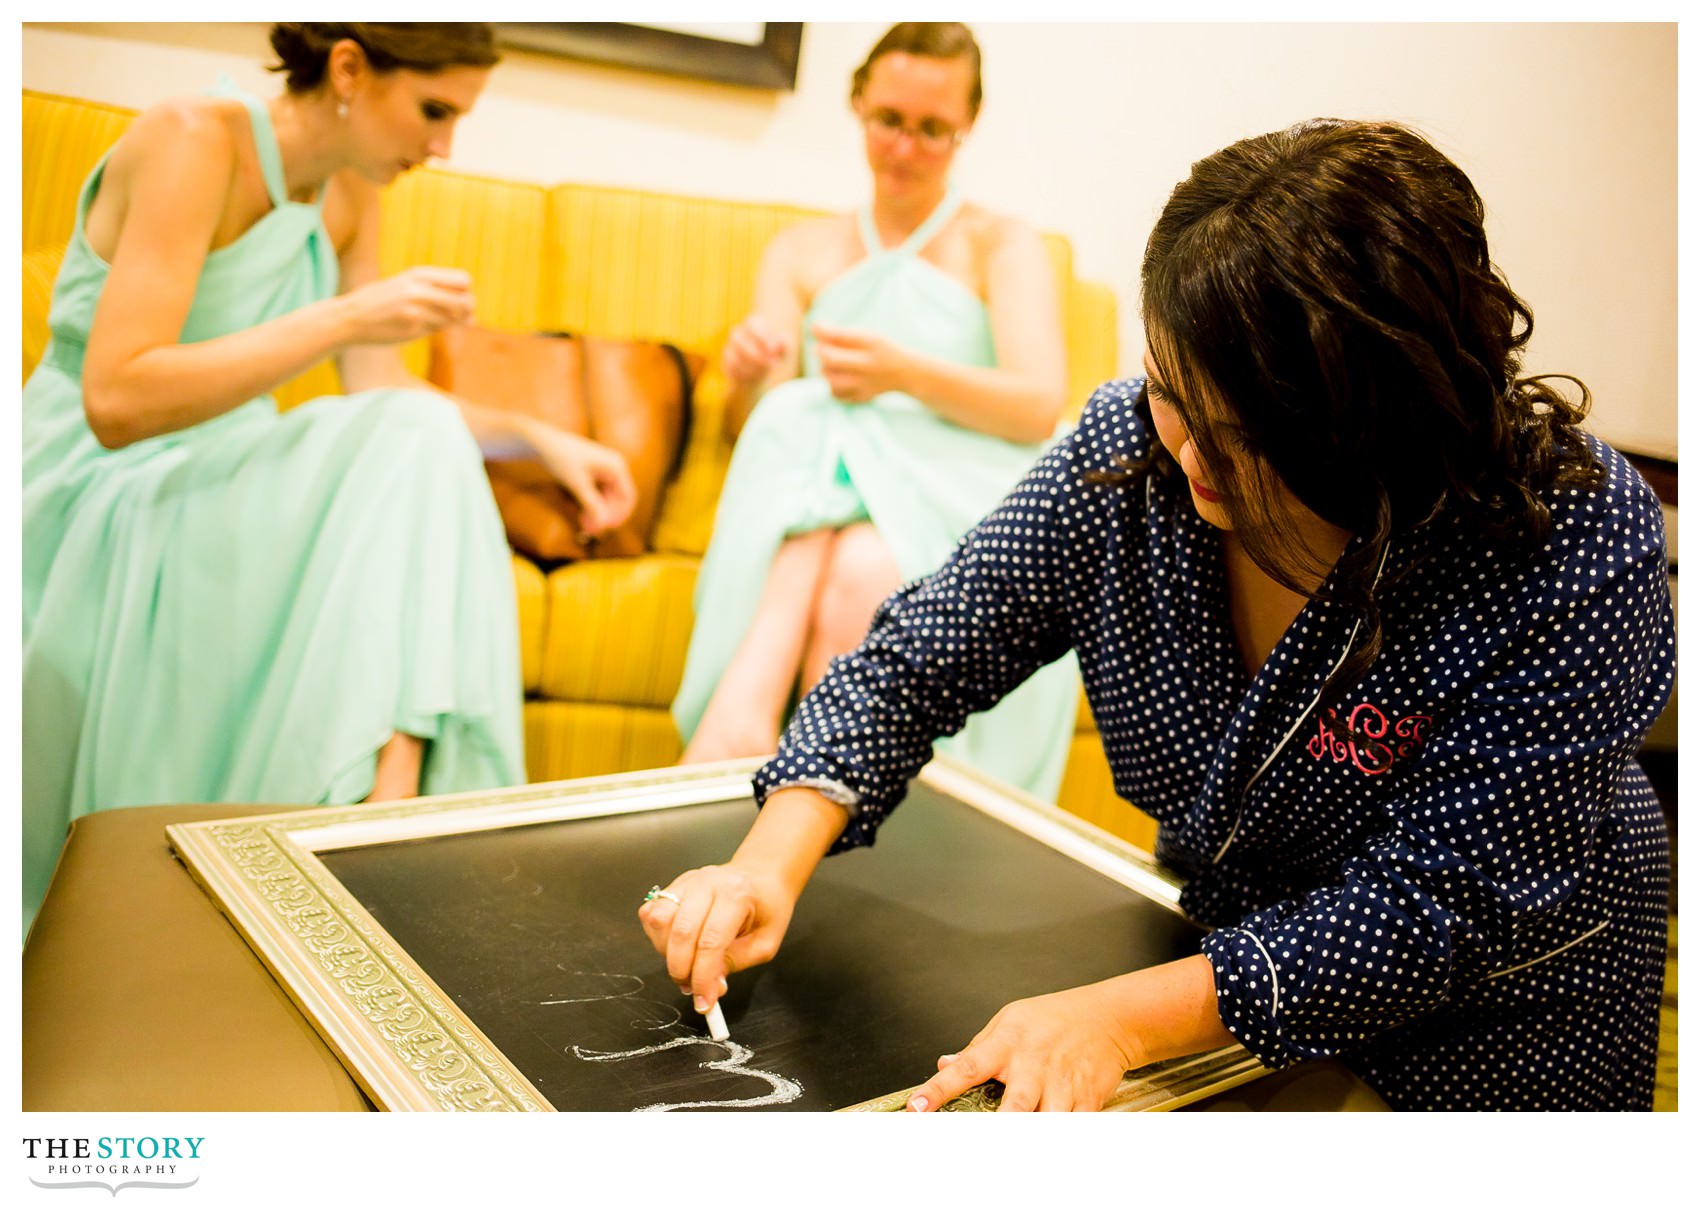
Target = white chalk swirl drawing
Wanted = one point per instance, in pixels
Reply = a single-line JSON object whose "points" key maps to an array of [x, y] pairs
{"points": [[783, 1090]]}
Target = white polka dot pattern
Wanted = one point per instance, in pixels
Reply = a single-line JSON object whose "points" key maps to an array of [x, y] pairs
{"points": [[1468, 907]]}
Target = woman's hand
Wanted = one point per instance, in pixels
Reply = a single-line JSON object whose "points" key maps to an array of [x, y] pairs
{"points": [[734, 915], [860, 365], [725, 919], [596, 475], [752, 350], [408, 305], [1062, 1052], [1069, 1050]]}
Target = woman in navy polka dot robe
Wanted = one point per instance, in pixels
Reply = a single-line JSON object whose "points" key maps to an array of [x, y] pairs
{"points": [[1367, 623]]}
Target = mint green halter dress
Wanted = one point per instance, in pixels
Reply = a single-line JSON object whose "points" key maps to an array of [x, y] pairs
{"points": [[806, 461], [247, 609]]}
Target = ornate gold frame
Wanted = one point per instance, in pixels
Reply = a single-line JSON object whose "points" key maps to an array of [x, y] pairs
{"points": [[412, 1049]]}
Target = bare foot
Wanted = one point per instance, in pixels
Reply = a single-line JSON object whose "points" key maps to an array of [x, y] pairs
{"points": [[400, 760]]}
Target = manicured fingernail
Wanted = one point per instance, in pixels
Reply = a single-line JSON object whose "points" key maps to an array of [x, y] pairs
{"points": [[918, 1104], [684, 989], [947, 1059], [701, 1004]]}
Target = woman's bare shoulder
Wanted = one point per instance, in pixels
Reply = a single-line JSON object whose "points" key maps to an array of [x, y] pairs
{"points": [[207, 126], [993, 231], [813, 251], [815, 236], [185, 148]]}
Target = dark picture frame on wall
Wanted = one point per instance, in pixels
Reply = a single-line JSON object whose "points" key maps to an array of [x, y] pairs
{"points": [[768, 62]]}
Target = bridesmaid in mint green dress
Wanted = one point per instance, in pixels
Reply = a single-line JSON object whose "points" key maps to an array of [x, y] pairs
{"points": [[932, 377], [226, 603]]}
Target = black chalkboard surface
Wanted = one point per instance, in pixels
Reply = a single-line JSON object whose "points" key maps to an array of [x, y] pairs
{"points": [[897, 953]]}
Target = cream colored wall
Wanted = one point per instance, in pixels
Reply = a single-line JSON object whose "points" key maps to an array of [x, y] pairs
{"points": [[1569, 131]]}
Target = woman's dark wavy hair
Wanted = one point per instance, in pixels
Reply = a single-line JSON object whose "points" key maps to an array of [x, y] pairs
{"points": [[1327, 289], [303, 48]]}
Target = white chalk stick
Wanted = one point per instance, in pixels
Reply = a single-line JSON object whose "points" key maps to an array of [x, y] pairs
{"points": [[716, 1023]]}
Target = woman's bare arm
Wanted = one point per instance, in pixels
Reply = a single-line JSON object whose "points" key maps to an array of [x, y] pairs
{"points": [[763, 349], [138, 381]]}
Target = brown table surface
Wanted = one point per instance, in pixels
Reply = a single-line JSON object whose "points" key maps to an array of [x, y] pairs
{"points": [[138, 995]]}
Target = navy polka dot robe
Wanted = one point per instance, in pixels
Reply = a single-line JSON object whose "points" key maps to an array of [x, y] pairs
{"points": [[1467, 908]]}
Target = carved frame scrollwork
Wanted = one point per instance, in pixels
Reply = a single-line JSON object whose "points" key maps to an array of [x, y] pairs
{"points": [[437, 1059]]}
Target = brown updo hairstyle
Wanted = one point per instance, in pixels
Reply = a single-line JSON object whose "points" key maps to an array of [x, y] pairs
{"points": [[303, 47], [930, 40]]}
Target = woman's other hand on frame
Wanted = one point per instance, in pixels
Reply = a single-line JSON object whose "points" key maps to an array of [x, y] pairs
{"points": [[1063, 1052]]}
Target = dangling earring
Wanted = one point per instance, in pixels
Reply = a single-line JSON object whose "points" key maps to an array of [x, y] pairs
{"points": [[341, 108]]}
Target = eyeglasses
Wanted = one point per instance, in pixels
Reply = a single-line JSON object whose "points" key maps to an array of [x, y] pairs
{"points": [[930, 135]]}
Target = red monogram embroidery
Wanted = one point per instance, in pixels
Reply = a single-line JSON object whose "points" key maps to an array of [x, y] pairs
{"points": [[1371, 749]]}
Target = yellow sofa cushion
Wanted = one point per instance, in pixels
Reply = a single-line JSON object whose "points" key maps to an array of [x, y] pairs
{"points": [[63, 138], [1093, 342], [533, 594], [686, 518], [577, 740], [655, 266], [618, 630]]}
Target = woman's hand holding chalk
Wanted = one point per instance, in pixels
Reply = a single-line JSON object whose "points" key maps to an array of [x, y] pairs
{"points": [[711, 921]]}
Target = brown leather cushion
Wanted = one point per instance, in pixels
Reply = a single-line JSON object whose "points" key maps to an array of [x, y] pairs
{"points": [[633, 396], [138, 995]]}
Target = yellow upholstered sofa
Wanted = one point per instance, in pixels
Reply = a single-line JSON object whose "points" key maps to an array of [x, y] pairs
{"points": [[603, 640]]}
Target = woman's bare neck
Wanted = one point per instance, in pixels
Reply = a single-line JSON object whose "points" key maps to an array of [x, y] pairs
{"points": [[895, 219]]}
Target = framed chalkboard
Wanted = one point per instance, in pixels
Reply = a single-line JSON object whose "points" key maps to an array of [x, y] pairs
{"points": [[482, 952]]}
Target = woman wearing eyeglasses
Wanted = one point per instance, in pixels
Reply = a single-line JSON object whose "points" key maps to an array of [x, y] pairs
{"points": [[901, 369]]}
